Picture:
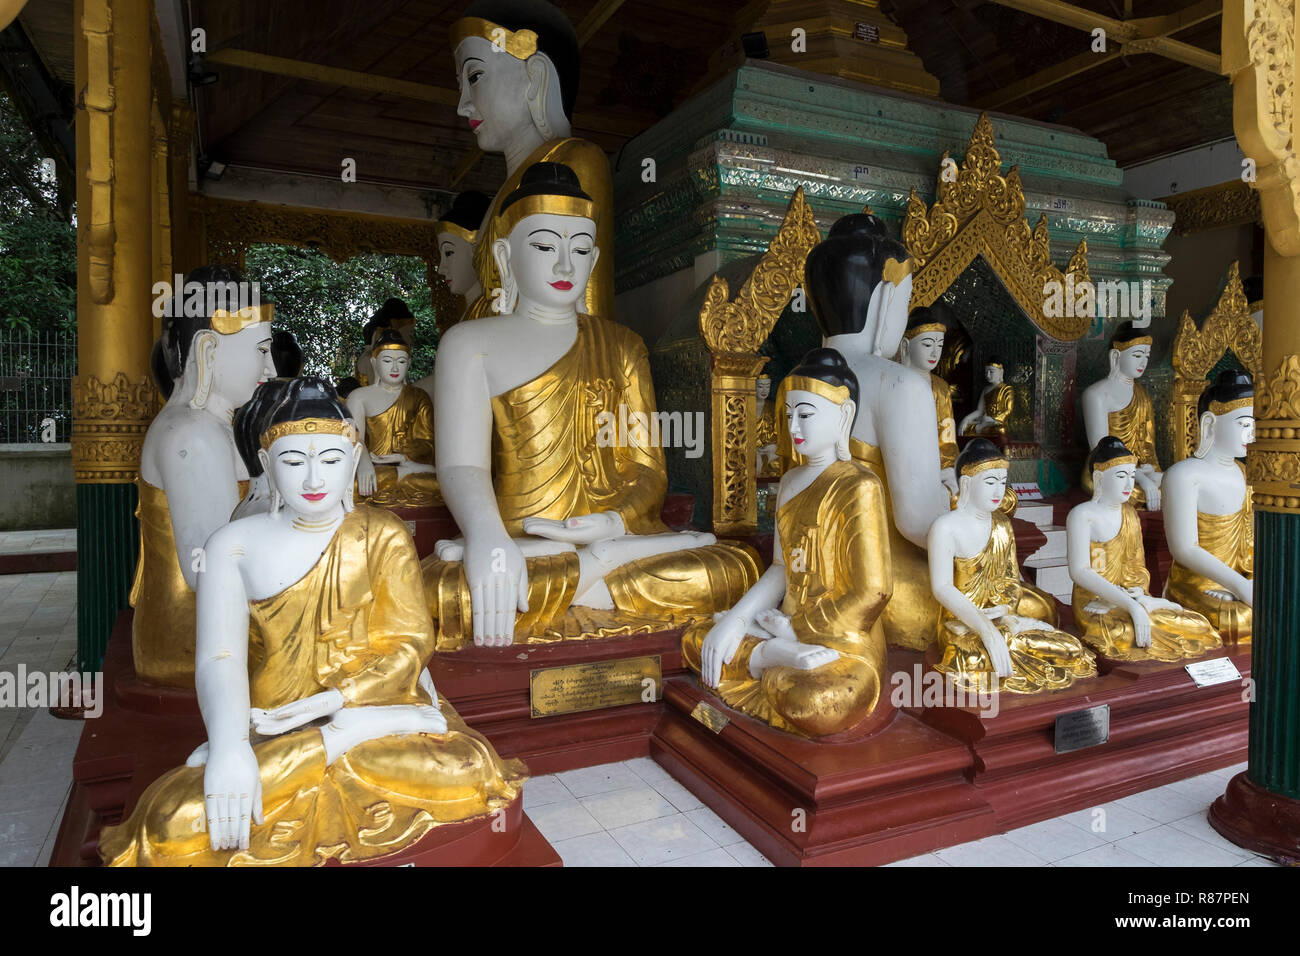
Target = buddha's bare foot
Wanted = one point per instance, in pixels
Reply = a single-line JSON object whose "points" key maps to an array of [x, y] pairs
{"points": [[786, 653]]}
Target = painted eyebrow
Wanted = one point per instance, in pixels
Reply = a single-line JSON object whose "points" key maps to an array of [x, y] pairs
{"points": [[265, 341], [551, 231], [472, 59], [587, 234], [809, 404]]}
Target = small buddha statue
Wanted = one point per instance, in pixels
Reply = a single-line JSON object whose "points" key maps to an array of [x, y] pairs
{"points": [[247, 426], [990, 635], [858, 282], [563, 537], [393, 314], [804, 649], [1209, 522], [921, 349], [1119, 406], [1119, 617], [520, 104], [767, 464], [326, 738], [191, 477], [395, 420], [994, 406]]}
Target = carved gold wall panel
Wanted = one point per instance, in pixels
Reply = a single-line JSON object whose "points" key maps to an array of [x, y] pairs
{"points": [[1232, 203], [980, 212], [1198, 350], [111, 420], [1273, 462]]}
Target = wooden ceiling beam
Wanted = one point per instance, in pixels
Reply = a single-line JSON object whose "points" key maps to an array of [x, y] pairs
{"points": [[333, 76], [1059, 73]]}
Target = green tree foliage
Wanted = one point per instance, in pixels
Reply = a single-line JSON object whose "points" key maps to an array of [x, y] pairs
{"points": [[325, 304]]}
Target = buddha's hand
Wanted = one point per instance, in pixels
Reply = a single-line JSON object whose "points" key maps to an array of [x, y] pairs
{"points": [[1141, 623], [353, 726], [1152, 603], [1150, 488], [407, 467], [391, 459], [804, 657], [580, 529], [366, 481], [450, 549], [776, 624], [232, 796], [996, 646], [289, 716], [1246, 592], [498, 587], [720, 646]]}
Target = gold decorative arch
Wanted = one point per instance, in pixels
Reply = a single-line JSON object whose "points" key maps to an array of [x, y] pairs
{"points": [[979, 212], [734, 330], [1198, 350]]}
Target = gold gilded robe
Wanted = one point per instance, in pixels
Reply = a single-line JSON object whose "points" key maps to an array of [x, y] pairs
{"points": [[998, 402], [162, 627], [1121, 561], [947, 425], [355, 622], [405, 428], [1041, 659], [555, 455], [836, 533], [1135, 426], [1231, 539], [592, 167]]}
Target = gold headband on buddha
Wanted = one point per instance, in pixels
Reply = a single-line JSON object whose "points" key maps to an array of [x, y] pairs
{"points": [[988, 465], [310, 426], [895, 271], [400, 346], [545, 203], [1116, 462], [993, 365], [1223, 408], [935, 327], [1123, 345], [228, 323], [521, 44], [458, 231], [839, 394]]}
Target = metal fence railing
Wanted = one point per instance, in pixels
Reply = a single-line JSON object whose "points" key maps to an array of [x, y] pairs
{"points": [[36, 370]]}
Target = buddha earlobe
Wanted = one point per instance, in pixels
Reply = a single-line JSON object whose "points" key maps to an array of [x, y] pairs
{"points": [[504, 299], [536, 96], [1207, 436], [1114, 359], [203, 351], [847, 411]]}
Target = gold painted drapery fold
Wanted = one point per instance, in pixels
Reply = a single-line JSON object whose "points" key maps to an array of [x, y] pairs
{"points": [[1231, 539]]}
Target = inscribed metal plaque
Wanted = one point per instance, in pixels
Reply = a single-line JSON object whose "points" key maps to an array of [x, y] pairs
{"points": [[577, 687], [710, 717], [1082, 728]]}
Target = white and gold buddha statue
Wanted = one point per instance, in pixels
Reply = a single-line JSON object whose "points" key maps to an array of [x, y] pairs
{"points": [[1119, 406], [325, 737], [921, 349], [395, 420], [563, 537], [517, 69], [393, 314], [1209, 521], [191, 477], [993, 634], [767, 462], [995, 404], [1113, 607], [804, 649]]}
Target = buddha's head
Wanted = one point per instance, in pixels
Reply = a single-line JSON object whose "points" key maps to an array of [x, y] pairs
{"points": [[819, 401], [309, 451], [455, 234], [763, 387], [922, 344], [391, 359], [994, 371], [517, 68], [1114, 471], [249, 419], [981, 476], [1130, 351], [549, 247], [286, 354], [1227, 416], [859, 283], [222, 353], [393, 314]]}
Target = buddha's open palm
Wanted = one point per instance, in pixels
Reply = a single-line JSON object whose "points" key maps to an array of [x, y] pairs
{"points": [[777, 624], [279, 720], [580, 529], [232, 796]]}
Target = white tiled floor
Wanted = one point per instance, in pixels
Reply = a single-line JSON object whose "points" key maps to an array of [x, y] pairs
{"points": [[56, 540]]}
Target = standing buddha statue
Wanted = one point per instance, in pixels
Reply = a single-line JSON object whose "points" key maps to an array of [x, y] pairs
{"points": [[1119, 406]]}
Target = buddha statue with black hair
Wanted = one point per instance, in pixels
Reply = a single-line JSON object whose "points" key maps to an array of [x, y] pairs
{"points": [[191, 476], [247, 425], [921, 349], [395, 420], [1116, 613], [393, 314], [326, 739], [517, 69], [996, 402], [456, 234], [1119, 406], [560, 511], [1209, 521], [992, 634], [804, 649]]}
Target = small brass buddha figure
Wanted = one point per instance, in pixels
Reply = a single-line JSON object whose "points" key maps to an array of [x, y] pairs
{"points": [[1119, 406], [992, 632]]}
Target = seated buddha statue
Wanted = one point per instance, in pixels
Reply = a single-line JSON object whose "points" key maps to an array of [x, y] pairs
{"points": [[804, 649], [247, 426], [395, 420], [563, 537], [517, 68], [325, 737], [393, 314], [994, 406], [191, 477], [858, 283], [921, 349], [1209, 522], [1118, 616], [1119, 406], [990, 636], [767, 464]]}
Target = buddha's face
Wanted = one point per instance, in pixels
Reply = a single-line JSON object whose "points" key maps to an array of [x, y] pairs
{"points": [[391, 366], [241, 362], [985, 489], [551, 258], [1131, 363], [1114, 485], [312, 472], [993, 374], [456, 263], [763, 388], [815, 423], [924, 351], [494, 89], [1234, 431]]}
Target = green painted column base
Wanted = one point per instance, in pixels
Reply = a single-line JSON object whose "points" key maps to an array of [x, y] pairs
{"points": [[108, 545], [1275, 656]]}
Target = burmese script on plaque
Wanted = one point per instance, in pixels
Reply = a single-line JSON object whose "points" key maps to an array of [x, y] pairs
{"points": [[578, 687]]}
